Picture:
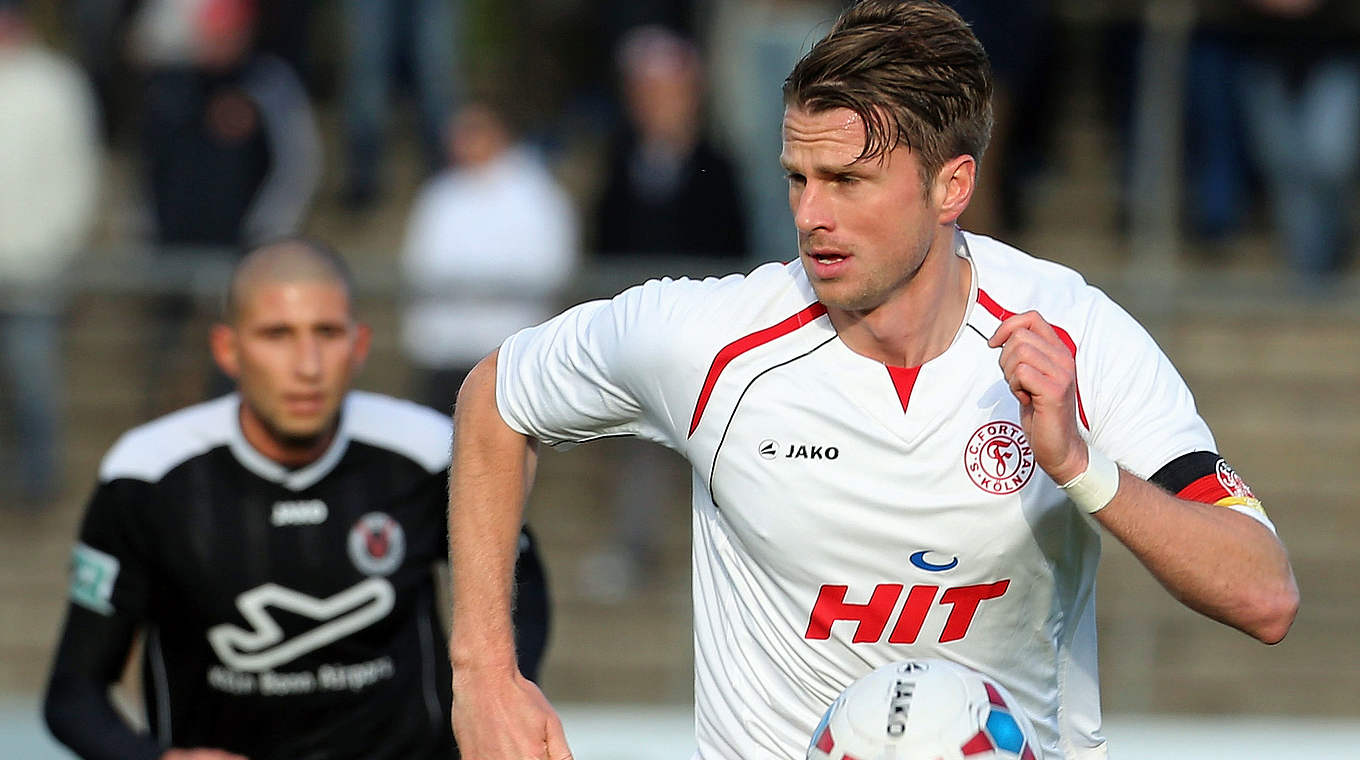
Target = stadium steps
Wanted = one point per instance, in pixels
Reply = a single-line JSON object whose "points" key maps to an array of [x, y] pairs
{"points": [[1280, 391]]}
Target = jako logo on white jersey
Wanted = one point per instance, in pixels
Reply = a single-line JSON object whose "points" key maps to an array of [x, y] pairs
{"points": [[771, 449], [305, 512], [265, 647], [872, 617]]}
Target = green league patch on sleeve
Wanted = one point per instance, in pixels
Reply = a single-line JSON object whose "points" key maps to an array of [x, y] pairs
{"points": [[92, 575]]}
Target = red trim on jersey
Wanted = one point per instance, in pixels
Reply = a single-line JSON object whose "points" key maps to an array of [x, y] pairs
{"points": [[977, 745], [994, 696], [903, 379], [1207, 490], [993, 306], [1066, 337], [826, 742], [742, 345]]}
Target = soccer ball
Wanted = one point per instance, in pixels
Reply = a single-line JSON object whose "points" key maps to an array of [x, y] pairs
{"points": [[925, 709]]}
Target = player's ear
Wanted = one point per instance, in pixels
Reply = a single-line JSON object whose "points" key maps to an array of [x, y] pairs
{"points": [[363, 339], [954, 187], [225, 349]]}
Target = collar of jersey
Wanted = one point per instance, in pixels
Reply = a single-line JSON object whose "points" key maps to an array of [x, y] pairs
{"points": [[293, 480]]}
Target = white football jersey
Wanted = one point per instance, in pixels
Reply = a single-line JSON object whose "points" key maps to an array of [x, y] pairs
{"points": [[847, 513]]}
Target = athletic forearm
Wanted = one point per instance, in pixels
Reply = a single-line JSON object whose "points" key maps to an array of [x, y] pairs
{"points": [[1216, 561], [491, 473], [80, 715], [78, 708], [497, 712]]}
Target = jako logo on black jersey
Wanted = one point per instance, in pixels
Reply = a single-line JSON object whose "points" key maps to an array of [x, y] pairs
{"points": [[304, 512], [771, 449]]}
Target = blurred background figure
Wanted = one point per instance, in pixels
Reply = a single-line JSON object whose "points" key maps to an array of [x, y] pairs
{"points": [[1300, 95], [49, 164], [668, 189], [381, 38], [283, 28], [1218, 177], [753, 45], [490, 244], [231, 155], [1017, 35], [99, 28], [231, 149]]}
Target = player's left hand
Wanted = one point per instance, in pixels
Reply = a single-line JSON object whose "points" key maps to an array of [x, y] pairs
{"points": [[1042, 374]]}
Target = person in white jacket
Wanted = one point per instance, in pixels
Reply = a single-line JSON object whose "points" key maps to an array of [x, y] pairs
{"points": [[49, 166], [490, 244]]}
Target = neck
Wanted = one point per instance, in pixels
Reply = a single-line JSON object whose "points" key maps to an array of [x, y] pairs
{"points": [[919, 321], [287, 451]]}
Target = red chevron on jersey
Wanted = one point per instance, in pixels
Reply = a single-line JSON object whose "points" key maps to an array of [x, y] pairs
{"points": [[742, 345], [1003, 314]]}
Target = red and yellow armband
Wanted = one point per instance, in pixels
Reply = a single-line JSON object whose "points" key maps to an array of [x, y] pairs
{"points": [[1206, 477]]}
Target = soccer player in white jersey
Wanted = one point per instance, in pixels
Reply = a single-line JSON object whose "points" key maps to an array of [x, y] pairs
{"points": [[905, 444]]}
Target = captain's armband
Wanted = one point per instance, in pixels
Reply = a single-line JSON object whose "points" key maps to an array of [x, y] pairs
{"points": [[1206, 477]]}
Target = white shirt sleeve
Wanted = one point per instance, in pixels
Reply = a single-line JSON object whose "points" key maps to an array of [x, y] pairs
{"points": [[1141, 412], [606, 368]]}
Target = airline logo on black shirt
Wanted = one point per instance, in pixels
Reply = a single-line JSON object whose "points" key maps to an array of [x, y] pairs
{"points": [[265, 647]]}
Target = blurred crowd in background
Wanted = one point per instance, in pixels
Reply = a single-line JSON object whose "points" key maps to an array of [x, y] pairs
{"points": [[225, 110]]}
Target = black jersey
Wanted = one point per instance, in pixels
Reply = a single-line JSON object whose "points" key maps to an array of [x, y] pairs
{"points": [[290, 613]]}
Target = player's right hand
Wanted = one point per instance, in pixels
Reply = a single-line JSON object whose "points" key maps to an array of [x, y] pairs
{"points": [[201, 754], [499, 714]]}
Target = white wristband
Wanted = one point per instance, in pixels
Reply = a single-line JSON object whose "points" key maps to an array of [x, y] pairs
{"points": [[1096, 487]]}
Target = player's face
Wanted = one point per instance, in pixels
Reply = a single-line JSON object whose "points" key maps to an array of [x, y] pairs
{"points": [[864, 228], [293, 352]]}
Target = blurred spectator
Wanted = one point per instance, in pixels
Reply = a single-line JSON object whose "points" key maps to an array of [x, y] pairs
{"points": [[1300, 91], [230, 151], [96, 27], [380, 34], [1217, 168], [490, 244], [230, 143], [285, 30], [1017, 37], [99, 27], [668, 190], [565, 89], [1217, 178], [754, 45], [49, 164]]}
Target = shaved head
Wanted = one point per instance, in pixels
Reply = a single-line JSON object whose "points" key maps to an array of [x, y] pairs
{"points": [[289, 259]]}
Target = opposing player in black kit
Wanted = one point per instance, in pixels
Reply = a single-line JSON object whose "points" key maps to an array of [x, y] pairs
{"points": [[277, 546]]}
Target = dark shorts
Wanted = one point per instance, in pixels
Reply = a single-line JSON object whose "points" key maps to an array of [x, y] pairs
{"points": [[531, 608]]}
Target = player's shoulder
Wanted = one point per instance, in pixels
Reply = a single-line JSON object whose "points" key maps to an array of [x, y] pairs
{"points": [[1012, 281], [149, 451], [406, 428], [729, 301], [1016, 282]]}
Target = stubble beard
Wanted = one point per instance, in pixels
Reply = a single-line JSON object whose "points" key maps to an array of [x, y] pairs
{"points": [[297, 441], [867, 295]]}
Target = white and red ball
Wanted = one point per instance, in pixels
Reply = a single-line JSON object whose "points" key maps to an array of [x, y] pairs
{"points": [[926, 709]]}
